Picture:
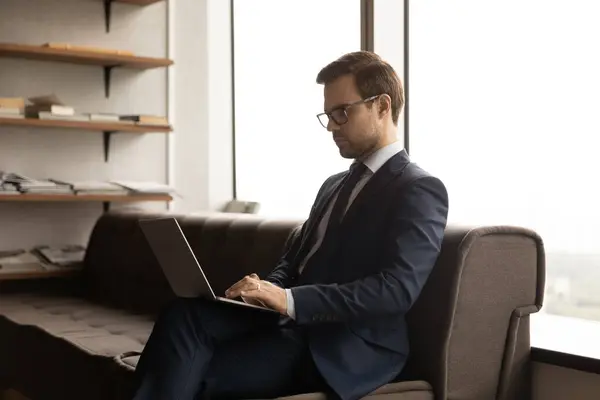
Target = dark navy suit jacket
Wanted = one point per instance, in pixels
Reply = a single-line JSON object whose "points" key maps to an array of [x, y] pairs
{"points": [[354, 301]]}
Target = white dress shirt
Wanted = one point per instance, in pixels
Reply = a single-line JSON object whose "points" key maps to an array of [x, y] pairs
{"points": [[373, 163]]}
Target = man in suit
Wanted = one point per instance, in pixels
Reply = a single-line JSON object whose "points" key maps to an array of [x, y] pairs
{"points": [[345, 283]]}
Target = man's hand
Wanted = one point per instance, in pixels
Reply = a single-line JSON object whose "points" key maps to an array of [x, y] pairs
{"points": [[246, 283], [254, 291]]}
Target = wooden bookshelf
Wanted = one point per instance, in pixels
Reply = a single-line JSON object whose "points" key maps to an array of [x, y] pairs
{"points": [[40, 53], [106, 200], [40, 274], [83, 125], [108, 128], [108, 61], [88, 198]]}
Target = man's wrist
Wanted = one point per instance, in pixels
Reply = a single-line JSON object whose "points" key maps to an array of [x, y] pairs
{"points": [[289, 298]]}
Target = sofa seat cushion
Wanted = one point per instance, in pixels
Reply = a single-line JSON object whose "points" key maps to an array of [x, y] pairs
{"points": [[66, 345], [407, 390]]}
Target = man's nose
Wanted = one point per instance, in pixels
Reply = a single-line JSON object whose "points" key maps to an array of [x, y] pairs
{"points": [[332, 126]]}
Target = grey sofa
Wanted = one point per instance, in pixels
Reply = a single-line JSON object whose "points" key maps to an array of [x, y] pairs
{"points": [[469, 329]]}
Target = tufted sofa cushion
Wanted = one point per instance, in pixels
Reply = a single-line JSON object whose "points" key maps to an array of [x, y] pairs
{"points": [[62, 339], [100, 349]]}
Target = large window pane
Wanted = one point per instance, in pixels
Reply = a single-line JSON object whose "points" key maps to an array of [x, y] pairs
{"points": [[504, 108], [282, 153], [389, 39]]}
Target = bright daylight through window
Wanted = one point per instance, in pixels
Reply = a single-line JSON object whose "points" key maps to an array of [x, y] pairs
{"points": [[504, 100], [283, 154]]}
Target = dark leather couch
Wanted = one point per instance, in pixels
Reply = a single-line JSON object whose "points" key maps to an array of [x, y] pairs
{"points": [[80, 339]]}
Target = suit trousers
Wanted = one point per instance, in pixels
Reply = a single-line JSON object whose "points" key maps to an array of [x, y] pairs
{"points": [[200, 349]]}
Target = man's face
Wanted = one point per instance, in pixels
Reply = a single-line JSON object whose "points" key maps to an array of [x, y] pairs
{"points": [[359, 134]]}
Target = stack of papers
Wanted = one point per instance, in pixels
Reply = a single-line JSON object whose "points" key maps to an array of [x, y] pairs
{"points": [[88, 188], [12, 261], [145, 187]]}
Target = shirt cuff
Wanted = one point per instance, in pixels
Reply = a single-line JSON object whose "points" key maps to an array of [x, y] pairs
{"points": [[291, 312]]}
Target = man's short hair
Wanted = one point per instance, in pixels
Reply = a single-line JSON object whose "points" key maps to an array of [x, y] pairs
{"points": [[372, 76]]}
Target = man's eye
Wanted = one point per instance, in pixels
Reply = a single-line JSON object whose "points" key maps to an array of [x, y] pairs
{"points": [[338, 114]]}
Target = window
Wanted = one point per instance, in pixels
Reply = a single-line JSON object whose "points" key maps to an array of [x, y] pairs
{"points": [[389, 39], [283, 154], [504, 100]]}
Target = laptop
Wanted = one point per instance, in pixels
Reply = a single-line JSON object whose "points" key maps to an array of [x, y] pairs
{"points": [[179, 263]]}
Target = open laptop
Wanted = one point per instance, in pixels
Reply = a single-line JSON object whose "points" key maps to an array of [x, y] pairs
{"points": [[179, 263]]}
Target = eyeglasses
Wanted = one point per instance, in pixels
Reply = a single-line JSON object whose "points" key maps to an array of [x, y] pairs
{"points": [[339, 115]]}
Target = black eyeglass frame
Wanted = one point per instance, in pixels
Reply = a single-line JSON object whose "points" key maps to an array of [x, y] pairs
{"points": [[344, 108]]}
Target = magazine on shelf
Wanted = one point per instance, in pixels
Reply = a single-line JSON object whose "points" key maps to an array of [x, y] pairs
{"points": [[41, 258], [66, 255], [20, 260]]}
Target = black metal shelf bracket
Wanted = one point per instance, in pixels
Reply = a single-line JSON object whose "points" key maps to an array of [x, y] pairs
{"points": [[107, 13], [107, 75], [106, 139]]}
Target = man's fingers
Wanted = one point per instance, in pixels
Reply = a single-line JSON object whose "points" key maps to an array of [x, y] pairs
{"points": [[255, 301], [235, 285], [262, 297], [244, 285], [258, 289], [242, 282], [254, 293]]}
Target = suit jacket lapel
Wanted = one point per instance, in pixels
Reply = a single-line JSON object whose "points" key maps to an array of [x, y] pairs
{"points": [[376, 183], [320, 208]]}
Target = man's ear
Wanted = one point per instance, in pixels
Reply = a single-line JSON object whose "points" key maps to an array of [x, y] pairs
{"points": [[384, 104]]}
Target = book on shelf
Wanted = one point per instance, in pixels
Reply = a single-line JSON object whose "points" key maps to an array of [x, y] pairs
{"points": [[12, 107], [145, 187], [106, 117], [48, 115], [95, 188], [11, 114], [25, 184], [42, 258], [12, 102], [50, 107], [62, 255], [10, 111], [8, 188], [13, 183], [146, 119], [48, 104], [19, 260]]}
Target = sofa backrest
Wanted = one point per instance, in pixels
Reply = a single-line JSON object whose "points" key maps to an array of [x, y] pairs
{"points": [[469, 329], [121, 270]]}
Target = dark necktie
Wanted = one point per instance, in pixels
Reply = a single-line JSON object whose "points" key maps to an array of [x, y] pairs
{"points": [[357, 170], [337, 214]]}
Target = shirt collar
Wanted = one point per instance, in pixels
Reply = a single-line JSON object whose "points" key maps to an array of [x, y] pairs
{"points": [[381, 156]]}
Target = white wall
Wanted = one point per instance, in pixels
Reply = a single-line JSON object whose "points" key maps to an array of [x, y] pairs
{"points": [[202, 103], [177, 29]]}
